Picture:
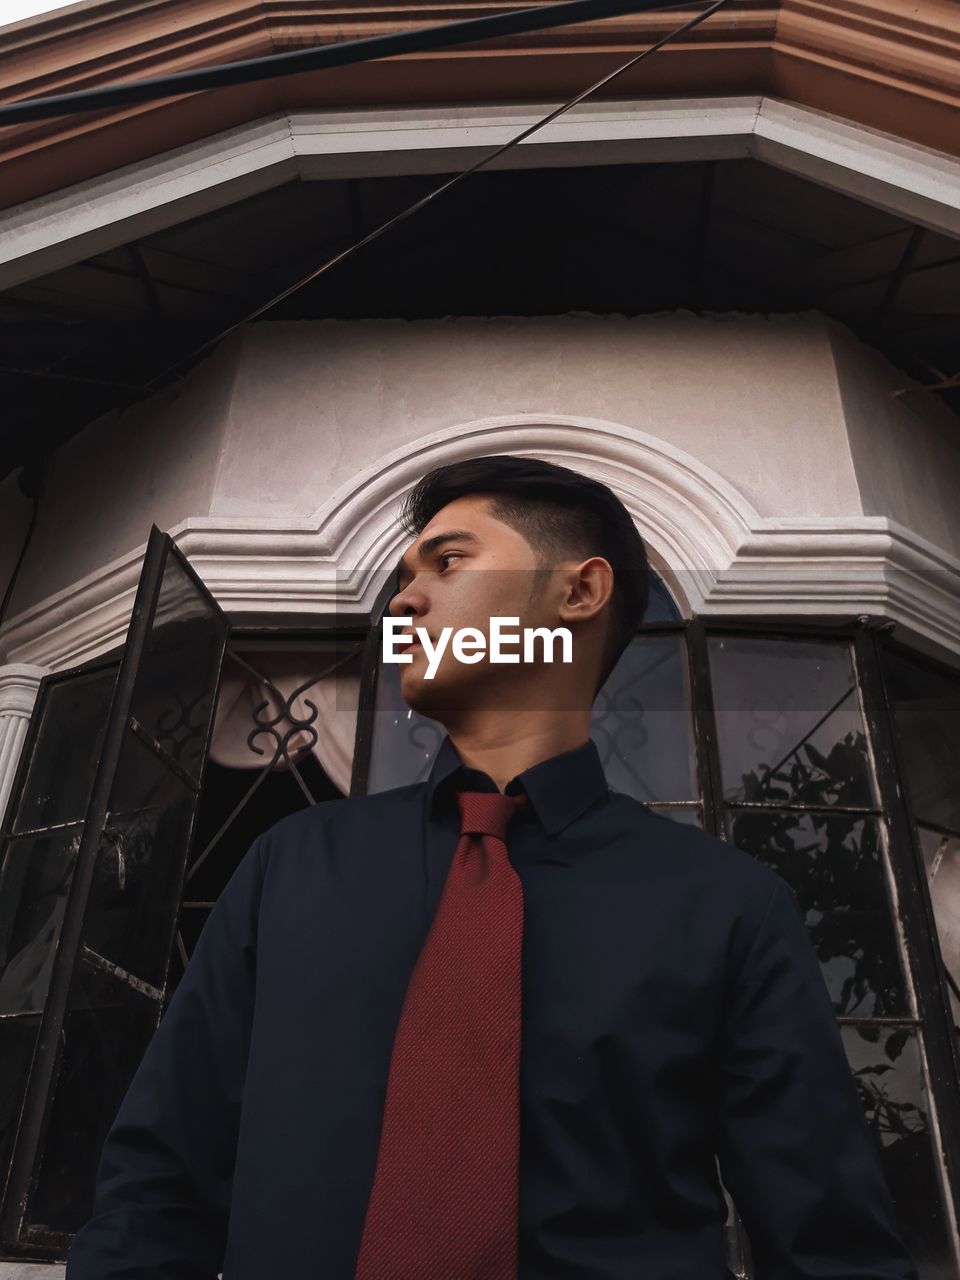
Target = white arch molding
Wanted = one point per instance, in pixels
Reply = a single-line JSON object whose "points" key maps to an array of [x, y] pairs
{"points": [[714, 550]]}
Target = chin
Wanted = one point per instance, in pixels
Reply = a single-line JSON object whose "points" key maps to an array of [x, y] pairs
{"points": [[436, 698], [465, 687], [426, 697]]}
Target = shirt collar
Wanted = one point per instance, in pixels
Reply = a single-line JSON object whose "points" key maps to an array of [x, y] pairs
{"points": [[559, 789]]}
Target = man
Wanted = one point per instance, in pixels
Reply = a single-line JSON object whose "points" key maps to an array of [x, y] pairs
{"points": [[365, 1073]]}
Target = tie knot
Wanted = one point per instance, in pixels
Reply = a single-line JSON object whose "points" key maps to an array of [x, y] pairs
{"points": [[487, 812]]}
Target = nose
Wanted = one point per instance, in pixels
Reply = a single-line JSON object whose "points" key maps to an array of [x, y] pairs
{"points": [[399, 605], [407, 602]]}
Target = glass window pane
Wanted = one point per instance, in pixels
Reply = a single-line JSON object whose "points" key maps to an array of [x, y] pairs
{"points": [[403, 743], [34, 884], [72, 718], [290, 704], [887, 1070], [135, 890], [927, 710], [689, 814], [107, 1028], [18, 1039], [789, 723], [641, 721], [176, 681], [834, 864], [941, 854], [660, 606], [737, 1241]]}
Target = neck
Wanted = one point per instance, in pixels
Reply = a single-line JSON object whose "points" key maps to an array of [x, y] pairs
{"points": [[503, 744]]}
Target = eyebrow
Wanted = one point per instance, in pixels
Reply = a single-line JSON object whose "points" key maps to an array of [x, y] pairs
{"points": [[427, 548]]}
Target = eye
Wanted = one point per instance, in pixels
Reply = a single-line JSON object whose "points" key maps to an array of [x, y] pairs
{"points": [[443, 555]]}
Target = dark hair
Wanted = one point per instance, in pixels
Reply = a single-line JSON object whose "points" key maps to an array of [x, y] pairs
{"points": [[562, 514]]}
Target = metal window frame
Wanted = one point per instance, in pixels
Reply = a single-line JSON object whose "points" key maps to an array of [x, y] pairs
{"points": [[17, 1238], [868, 641]]}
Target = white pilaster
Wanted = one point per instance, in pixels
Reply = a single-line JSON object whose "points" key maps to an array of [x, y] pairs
{"points": [[19, 683]]}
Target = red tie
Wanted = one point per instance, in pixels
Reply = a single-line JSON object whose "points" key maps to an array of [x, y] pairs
{"points": [[444, 1199]]}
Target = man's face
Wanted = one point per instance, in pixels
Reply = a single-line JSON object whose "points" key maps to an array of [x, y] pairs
{"points": [[485, 570]]}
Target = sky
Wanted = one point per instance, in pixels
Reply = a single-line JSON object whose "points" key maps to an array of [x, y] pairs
{"points": [[14, 10]]}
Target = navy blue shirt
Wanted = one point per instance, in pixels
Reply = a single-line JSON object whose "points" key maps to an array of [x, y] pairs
{"points": [[674, 1016]]}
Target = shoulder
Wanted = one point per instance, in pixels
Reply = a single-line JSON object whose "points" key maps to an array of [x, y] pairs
{"points": [[696, 864], [334, 820]]}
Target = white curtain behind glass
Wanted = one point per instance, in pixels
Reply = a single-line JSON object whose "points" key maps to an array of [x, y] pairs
{"points": [[328, 682]]}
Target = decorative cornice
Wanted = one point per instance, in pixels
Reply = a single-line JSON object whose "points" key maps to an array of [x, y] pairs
{"points": [[884, 40], [19, 683], [714, 550], [860, 565], [877, 62], [51, 232]]}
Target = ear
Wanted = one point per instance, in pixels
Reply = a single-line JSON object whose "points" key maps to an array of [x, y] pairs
{"points": [[588, 589]]}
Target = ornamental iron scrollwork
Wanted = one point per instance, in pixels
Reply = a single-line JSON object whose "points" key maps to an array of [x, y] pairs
{"points": [[272, 737]]}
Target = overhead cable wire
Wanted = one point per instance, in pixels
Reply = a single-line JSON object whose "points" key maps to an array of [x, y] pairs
{"points": [[321, 57], [410, 210]]}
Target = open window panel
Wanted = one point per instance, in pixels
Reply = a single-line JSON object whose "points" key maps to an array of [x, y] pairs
{"points": [[284, 739], [92, 858]]}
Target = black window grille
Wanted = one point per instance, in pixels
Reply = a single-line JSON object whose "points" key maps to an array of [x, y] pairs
{"points": [[827, 751]]}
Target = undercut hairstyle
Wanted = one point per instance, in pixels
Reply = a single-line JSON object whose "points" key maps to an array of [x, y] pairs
{"points": [[563, 515]]}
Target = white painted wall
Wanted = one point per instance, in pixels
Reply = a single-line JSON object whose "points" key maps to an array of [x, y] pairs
{"points": [[905, 448], [155, 462], [792, 412], [756, 399]]}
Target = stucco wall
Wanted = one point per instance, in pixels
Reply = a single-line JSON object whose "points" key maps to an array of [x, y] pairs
{"points": [[756, 399], [905, 448], [154, 462], [285, 413]]}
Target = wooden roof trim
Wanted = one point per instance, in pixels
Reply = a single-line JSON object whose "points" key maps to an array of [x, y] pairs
{"points": [[877, 40], [865, 60]]}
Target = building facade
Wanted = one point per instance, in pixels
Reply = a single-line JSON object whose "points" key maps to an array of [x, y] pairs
{"points": [[729, 293]]}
